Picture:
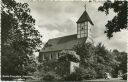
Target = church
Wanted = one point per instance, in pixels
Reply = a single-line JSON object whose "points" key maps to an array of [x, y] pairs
{"points": [[52, 49]]}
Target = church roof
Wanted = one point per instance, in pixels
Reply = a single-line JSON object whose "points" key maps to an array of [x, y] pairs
{"points": [[62, 43], [85, 17]]}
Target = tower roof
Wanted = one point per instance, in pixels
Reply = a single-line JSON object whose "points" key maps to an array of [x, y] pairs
{"points": [[84, 17]]}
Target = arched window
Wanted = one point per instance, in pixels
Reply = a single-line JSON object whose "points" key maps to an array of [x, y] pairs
{"points": [[51, 56], [43, 57]]}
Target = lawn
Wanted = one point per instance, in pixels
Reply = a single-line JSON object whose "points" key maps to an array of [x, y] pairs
{"points": [[96, 80], [106, 80]]}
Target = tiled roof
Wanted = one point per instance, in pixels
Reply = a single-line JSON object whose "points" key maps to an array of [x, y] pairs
{"points": [[85, 17], [62, 43]]}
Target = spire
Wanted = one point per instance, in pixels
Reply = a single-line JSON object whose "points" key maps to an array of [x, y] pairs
{"points": [[85, 6], [84, 17]]}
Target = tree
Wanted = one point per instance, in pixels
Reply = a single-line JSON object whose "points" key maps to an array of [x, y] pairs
{"points": [[86, 51], [96, 60], [119, 22], [105, 60], [60, 66], [19, 38], [121, 57]]}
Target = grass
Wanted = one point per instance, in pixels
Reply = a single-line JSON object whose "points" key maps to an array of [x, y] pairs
{"points": [[96, 80]]}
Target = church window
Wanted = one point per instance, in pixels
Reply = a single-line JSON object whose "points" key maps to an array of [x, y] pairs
{"points": [[59, 55], [52, 55], [43, 57], [56, 56]]}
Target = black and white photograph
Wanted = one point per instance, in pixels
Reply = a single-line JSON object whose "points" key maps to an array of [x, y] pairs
{"points": [[64, 40]]}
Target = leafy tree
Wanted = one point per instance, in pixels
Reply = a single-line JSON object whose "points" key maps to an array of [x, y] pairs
{"points": [[119, 22], [105, 60], [96, 60], [19, 38], [86, 51], [59, 67], [68, 55], [121, 57]]}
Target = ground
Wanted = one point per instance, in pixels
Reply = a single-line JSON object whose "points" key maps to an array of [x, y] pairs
{"points": [[106, 80], [96, 80]]}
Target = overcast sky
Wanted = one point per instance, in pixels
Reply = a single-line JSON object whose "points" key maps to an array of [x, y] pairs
{"points": [[58, 18]]}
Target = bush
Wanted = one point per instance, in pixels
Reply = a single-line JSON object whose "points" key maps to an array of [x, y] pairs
{"points": [[81, 74], [124, 76], [50, 76], [73, 77], [88, 73]]}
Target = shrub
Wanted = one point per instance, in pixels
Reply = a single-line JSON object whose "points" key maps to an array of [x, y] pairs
{"points": [[88, 73], [81, 74], [124, 76], [50, 76], [73, 77]]}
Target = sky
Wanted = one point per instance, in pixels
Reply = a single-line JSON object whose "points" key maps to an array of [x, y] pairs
{"points": [[58, 18]]}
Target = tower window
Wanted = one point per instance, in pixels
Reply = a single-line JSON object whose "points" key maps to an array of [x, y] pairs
{"points": [[82, 29]]}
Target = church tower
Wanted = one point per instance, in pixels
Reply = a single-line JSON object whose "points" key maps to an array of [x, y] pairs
{"points": [[84, 25]]}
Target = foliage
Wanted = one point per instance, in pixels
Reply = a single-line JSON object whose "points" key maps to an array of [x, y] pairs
{"points": [[19, 38], [85, 51], [95, 60], [68, 55], [120, 20], [75, 76], [105, 60], [81, 74], [121, 57], [51, 76], [124, 76], [60, 67]]}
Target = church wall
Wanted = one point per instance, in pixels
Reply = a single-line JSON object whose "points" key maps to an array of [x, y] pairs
{"points": [[73, 65], [52, 55], [62, 68], [89, 39]]}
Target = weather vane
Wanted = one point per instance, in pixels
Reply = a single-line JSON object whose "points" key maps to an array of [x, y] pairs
{"points": [[85, 6]]}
